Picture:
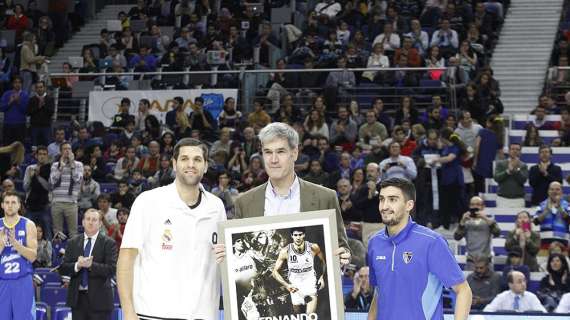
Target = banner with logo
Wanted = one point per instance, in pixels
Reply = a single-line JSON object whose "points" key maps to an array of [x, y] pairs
{"points": [[103, 105]]}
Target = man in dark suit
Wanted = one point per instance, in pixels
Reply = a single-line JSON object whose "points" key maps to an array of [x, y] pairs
{"points": [[90, 261], [542, 175]]}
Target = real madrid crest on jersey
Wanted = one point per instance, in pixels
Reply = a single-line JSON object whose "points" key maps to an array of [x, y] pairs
{"points": [[167, 240], [407, 256]]}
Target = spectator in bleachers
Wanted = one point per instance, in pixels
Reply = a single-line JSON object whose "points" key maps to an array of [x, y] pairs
{"points": [[405, 78], [523, 239], [259, 118], [553, 215], [543, 174], [343, 130], [65, 181], [18, 22], [468, 130], [485, 20], [144, 61], [230, 117], [555, 283], [55, 146], [316, 174], [108, 213], [433, 120], [446, 39], [106, 41], [45, 37], [488, 147], [160, 42], [516, 299], [165, 174], [406, 111], [383, 117], [5, 67], [484, 282], [288, 112], [365, 201], [69, 80], [343, 170], [178, 110], [315, 124], [122, 117], [123, 197], [467, 60], [43, 258], [488, 91], [143, 112], [149, 164], [428, 175], [377, 59], [451, 188], [37, 189], [414, 59], [372, 129], [152, 129], [539, 121], [347, 209], [128, 42], [41, 107], [115, 55], [532, 137], [397, 165], [472, 103], [266, 41], [126, 164], [94, 158], [14, 105], [511, 175], [360, 298], [225, 191], [338, 82], [478, 229], [90, 62], [389, 40], [224, 143], [89, 190], [201, 119], [420, 38]]}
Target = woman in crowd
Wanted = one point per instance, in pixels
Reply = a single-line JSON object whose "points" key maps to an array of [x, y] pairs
{"points": [[524, 239], [532, 137], [316, 125], [555, 283], [43, 259]]}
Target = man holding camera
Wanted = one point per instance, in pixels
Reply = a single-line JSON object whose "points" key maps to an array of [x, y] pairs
{"points": [[397, 165], [478, 230], [65, 181]]}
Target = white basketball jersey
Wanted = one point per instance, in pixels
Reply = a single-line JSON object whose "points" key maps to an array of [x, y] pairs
{"points": [[244, 267], [300, 264]]}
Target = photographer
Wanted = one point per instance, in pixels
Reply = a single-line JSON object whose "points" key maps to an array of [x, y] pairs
{"points": [[524, 239], [478, 230], [397, 165]]}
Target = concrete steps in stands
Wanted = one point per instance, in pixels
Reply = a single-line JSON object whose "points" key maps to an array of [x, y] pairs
{"points": [[520, 59], [87, 35]]}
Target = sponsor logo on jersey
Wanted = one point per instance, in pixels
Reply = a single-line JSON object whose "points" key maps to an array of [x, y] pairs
{"points": [[9, 258], [21, 233], [167, 240], [407, 256], [380, 257]]}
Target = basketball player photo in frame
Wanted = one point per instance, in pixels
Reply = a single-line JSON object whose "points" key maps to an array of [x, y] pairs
{"points": [[282, 268]]}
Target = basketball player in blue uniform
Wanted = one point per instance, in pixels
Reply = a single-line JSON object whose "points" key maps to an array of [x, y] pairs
{"points": [[18, 247], [302, 276]]}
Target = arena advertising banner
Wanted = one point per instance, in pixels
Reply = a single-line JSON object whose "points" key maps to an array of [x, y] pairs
{"points": [[103, 105], [282, 268]]}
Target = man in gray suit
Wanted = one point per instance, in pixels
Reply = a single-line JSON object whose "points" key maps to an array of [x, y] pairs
{"points": [[285, 193]]}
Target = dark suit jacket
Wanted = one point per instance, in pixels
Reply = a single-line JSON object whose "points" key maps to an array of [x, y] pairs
{"points": [[540, 183], [313, 197], [102, 270]]}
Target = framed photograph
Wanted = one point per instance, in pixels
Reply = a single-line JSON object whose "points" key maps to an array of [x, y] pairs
{"points": [[282, 268]]}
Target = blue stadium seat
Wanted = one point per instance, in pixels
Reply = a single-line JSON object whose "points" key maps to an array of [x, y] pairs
{"points": [[62, 313], [52, 295], [41, 311], [48, 276]]}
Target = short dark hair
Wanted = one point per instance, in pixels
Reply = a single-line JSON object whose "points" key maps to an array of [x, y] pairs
{"points": [[299, 229], [515, 144], [199, 99], [41, 147], [407, 187], [190, 142], [123, 210], [126, 100], [104, 196], [544, 146]]}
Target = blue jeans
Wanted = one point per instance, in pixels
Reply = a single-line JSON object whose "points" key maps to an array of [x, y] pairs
{"points": [[41, 136], [43, 217]]}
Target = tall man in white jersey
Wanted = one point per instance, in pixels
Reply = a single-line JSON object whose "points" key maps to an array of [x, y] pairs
{"points": [[300, 256], [166, 267]]}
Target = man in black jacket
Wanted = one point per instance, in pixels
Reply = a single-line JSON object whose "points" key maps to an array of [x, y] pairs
{"points": [[90, 261], [36, 184], [40, 109], [366, 201], [542, 174]]}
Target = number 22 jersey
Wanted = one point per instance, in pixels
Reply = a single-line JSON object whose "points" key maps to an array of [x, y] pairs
{"points": [[12, 264]]}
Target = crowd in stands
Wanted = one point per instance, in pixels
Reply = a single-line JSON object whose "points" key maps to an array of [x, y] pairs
{"points": [[63, 169]]}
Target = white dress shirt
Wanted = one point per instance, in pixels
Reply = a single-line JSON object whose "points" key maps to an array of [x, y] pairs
{"points": [[506, 299], [276, 204]]}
